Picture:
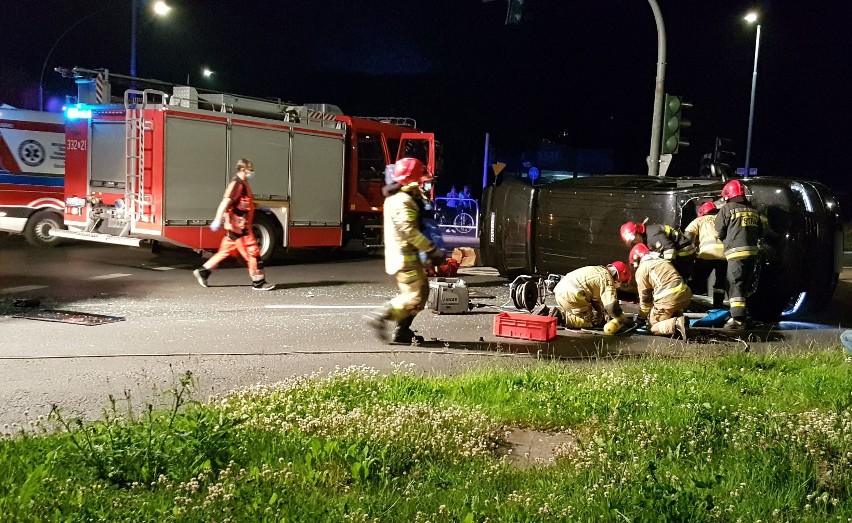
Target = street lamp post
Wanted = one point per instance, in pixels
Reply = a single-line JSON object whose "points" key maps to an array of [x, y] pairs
{"points": [[657, 122], [751, 18], [160, 8]]}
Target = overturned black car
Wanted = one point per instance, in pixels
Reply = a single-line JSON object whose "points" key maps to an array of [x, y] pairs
{"points": [[558, 227]]}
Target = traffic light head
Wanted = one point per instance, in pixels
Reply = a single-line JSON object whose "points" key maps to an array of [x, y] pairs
{"points": [[723, 155], [673, 124]]}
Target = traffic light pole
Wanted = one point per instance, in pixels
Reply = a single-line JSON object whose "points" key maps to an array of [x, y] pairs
{"points": [[656, 123]]}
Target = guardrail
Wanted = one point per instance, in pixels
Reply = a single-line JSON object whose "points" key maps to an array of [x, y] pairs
{"points": [[462, 218]]}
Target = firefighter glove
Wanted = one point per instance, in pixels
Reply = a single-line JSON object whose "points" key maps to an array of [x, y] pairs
{"points": [[214, 226]]}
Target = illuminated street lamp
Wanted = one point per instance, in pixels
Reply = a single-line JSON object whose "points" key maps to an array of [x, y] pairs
{"points": [[751, 18], [206, 72], [161, 8]]}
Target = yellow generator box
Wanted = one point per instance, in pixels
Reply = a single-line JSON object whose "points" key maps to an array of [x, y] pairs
{"points": [[448, 296]]}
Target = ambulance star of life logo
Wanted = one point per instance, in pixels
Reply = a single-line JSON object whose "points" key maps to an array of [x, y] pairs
{"points": [[32, 153]]}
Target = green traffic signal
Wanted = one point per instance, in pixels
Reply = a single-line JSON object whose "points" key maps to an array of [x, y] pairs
{"points": [[673, 123]]}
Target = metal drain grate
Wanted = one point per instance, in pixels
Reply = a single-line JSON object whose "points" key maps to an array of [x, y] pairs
{"points": [[77, 318]]}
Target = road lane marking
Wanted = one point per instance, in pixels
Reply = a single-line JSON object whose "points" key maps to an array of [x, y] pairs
{"points": [[22, 288], [109, 276], [307, 306]]}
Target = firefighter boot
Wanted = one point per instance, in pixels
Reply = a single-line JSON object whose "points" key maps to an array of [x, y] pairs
{"points": [[377, 318], [201, 274], [681, 327], [403, 333], [559, 314], [735, 324]]}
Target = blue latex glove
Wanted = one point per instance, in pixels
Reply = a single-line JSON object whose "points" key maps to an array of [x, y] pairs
{"points": [[214, 226]]}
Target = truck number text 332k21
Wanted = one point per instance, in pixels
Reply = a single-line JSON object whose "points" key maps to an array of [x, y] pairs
{"points": [[76, 145]]}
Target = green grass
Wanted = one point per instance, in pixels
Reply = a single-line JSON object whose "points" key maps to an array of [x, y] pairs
{"points": [[750, 437]]}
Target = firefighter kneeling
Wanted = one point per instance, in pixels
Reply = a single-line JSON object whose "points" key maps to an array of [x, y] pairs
{"points": [[663, 296], [586, 297], [404, 241]]}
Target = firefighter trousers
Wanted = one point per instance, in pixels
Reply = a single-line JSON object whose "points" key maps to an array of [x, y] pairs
{"points": [[703, 268], [741, 282], [247, 247], [578, 311], [664, 313], [413, 287]]}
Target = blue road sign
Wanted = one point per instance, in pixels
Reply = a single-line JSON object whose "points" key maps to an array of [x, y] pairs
{"points": [[533, 173]]}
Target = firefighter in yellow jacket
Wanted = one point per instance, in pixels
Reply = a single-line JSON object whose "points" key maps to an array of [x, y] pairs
{"points": [[404, 208], [663, 296], [711, 257], [586, 297]]}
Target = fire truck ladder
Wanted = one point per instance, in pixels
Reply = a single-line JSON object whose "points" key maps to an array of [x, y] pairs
{"points": [[137, 203]]}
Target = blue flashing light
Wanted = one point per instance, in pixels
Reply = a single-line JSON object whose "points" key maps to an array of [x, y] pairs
{"points": [[77, 112]]}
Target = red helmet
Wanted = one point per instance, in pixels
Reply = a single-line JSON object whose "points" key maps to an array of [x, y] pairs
{"points": [[629, 231], [408, 170], [622, 270], [637, 253], [733, 189], [707, 208]]}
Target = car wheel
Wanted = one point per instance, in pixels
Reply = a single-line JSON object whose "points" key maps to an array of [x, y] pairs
{"points": [[37, 230]]}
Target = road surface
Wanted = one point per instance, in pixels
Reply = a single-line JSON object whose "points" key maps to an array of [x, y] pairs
{"points": [[230, 336]]}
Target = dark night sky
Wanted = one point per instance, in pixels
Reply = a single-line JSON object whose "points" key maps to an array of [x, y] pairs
{"points": [[580, 69]]}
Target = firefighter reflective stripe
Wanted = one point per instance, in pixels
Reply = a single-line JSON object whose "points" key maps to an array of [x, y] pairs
{"points": [[668, 292], [750, 218], [741, 252], [736, 302]]}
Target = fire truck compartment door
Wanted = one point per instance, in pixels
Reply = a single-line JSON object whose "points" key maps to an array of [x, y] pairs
{"points": [[269, 151], [317, 180], [108, 157], [196, 170]]}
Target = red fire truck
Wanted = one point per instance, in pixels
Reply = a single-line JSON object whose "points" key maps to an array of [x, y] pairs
{"points": [[154, 168], [32, 164]]}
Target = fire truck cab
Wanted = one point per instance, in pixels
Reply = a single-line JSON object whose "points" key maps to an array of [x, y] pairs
{"points": [[155, 168]]}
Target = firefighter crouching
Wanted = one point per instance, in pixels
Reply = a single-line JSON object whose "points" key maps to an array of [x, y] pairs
{"points": [[670, 243], [663, 296], [404, 207], [711, 257], [739, 226], [586, 297]]}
